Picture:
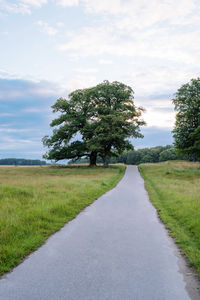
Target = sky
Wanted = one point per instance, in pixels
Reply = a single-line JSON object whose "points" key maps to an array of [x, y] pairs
{"points": [[49, 48]]}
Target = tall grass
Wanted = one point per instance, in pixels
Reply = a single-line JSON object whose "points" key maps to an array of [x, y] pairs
{"points": [[174, 189], [37, 201]]}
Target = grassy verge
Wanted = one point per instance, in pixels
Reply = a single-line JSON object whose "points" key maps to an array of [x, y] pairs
{"points": [[174, 189], [37, 201]]}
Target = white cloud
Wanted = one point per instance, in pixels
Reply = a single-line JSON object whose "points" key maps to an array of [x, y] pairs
{"points": [[89, 41], [7, 75], [36, 109], [161, 119], [10, 143], [3, 32], [27, 89], [12, 130], [22, 7], [159, 78], [46, 28], [60, 24], [80, 82], [86, 70], [144, 13], [105, 62], [36, 3], [103, 6], [67, 3], [6, 115], [155, 44]]}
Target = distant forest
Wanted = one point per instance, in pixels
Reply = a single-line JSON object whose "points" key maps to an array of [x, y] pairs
{"points": [[136, 157], [21, 162]]}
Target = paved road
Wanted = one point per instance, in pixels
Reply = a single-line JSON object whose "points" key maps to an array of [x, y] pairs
{"points": [[115, 249]]}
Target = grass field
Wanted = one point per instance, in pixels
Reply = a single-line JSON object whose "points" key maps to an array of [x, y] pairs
{"points": [[37, 201], [174, 189]]}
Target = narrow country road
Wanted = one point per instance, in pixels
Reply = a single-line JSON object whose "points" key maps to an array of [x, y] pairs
{"points": [[115, 249]]}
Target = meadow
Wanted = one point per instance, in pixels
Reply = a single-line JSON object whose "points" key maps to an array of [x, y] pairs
{"points": [[174, 189], [37, 201]]}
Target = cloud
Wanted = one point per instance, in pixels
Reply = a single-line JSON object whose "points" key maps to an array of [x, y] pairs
{"points": [[103, 6], [60, 24], [36, 110], [89, 41], [86, 70], [6, 115], [4, 74], [81, 81], [67, 3], [3, 32], [153, 60], [36, 3], [153, 136], [21, 7], [158, 44], [105, 62], [13, 130], [159, 118], [14, 145], [157, 30], [46, 28], [19, 89], [155, 78], [24, 122], [144, 13]]}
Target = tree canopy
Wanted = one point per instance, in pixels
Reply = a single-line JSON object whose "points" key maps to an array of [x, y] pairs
{"points": [[187, 126], [94, 121]]}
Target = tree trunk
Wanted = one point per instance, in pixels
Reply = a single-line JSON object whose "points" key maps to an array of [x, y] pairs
{"points": [[93, 158], [105, 161]]}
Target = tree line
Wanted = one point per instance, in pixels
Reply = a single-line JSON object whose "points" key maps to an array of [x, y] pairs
{"points": [[21, 162], [136, 157]]}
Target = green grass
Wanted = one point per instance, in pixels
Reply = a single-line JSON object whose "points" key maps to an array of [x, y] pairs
{"points": [[37, 201], [174, 189]]}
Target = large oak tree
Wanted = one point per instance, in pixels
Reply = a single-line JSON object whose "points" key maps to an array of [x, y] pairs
{"points": [[187, 126], [94, 121]]}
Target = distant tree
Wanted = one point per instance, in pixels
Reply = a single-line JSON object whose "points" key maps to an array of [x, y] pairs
{"points": [[146, 155], [133, 157], [187, 126], [169, 154], [101, 119]]}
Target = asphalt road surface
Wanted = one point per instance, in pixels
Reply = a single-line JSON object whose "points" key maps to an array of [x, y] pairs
{"points": [[115, 249]]}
